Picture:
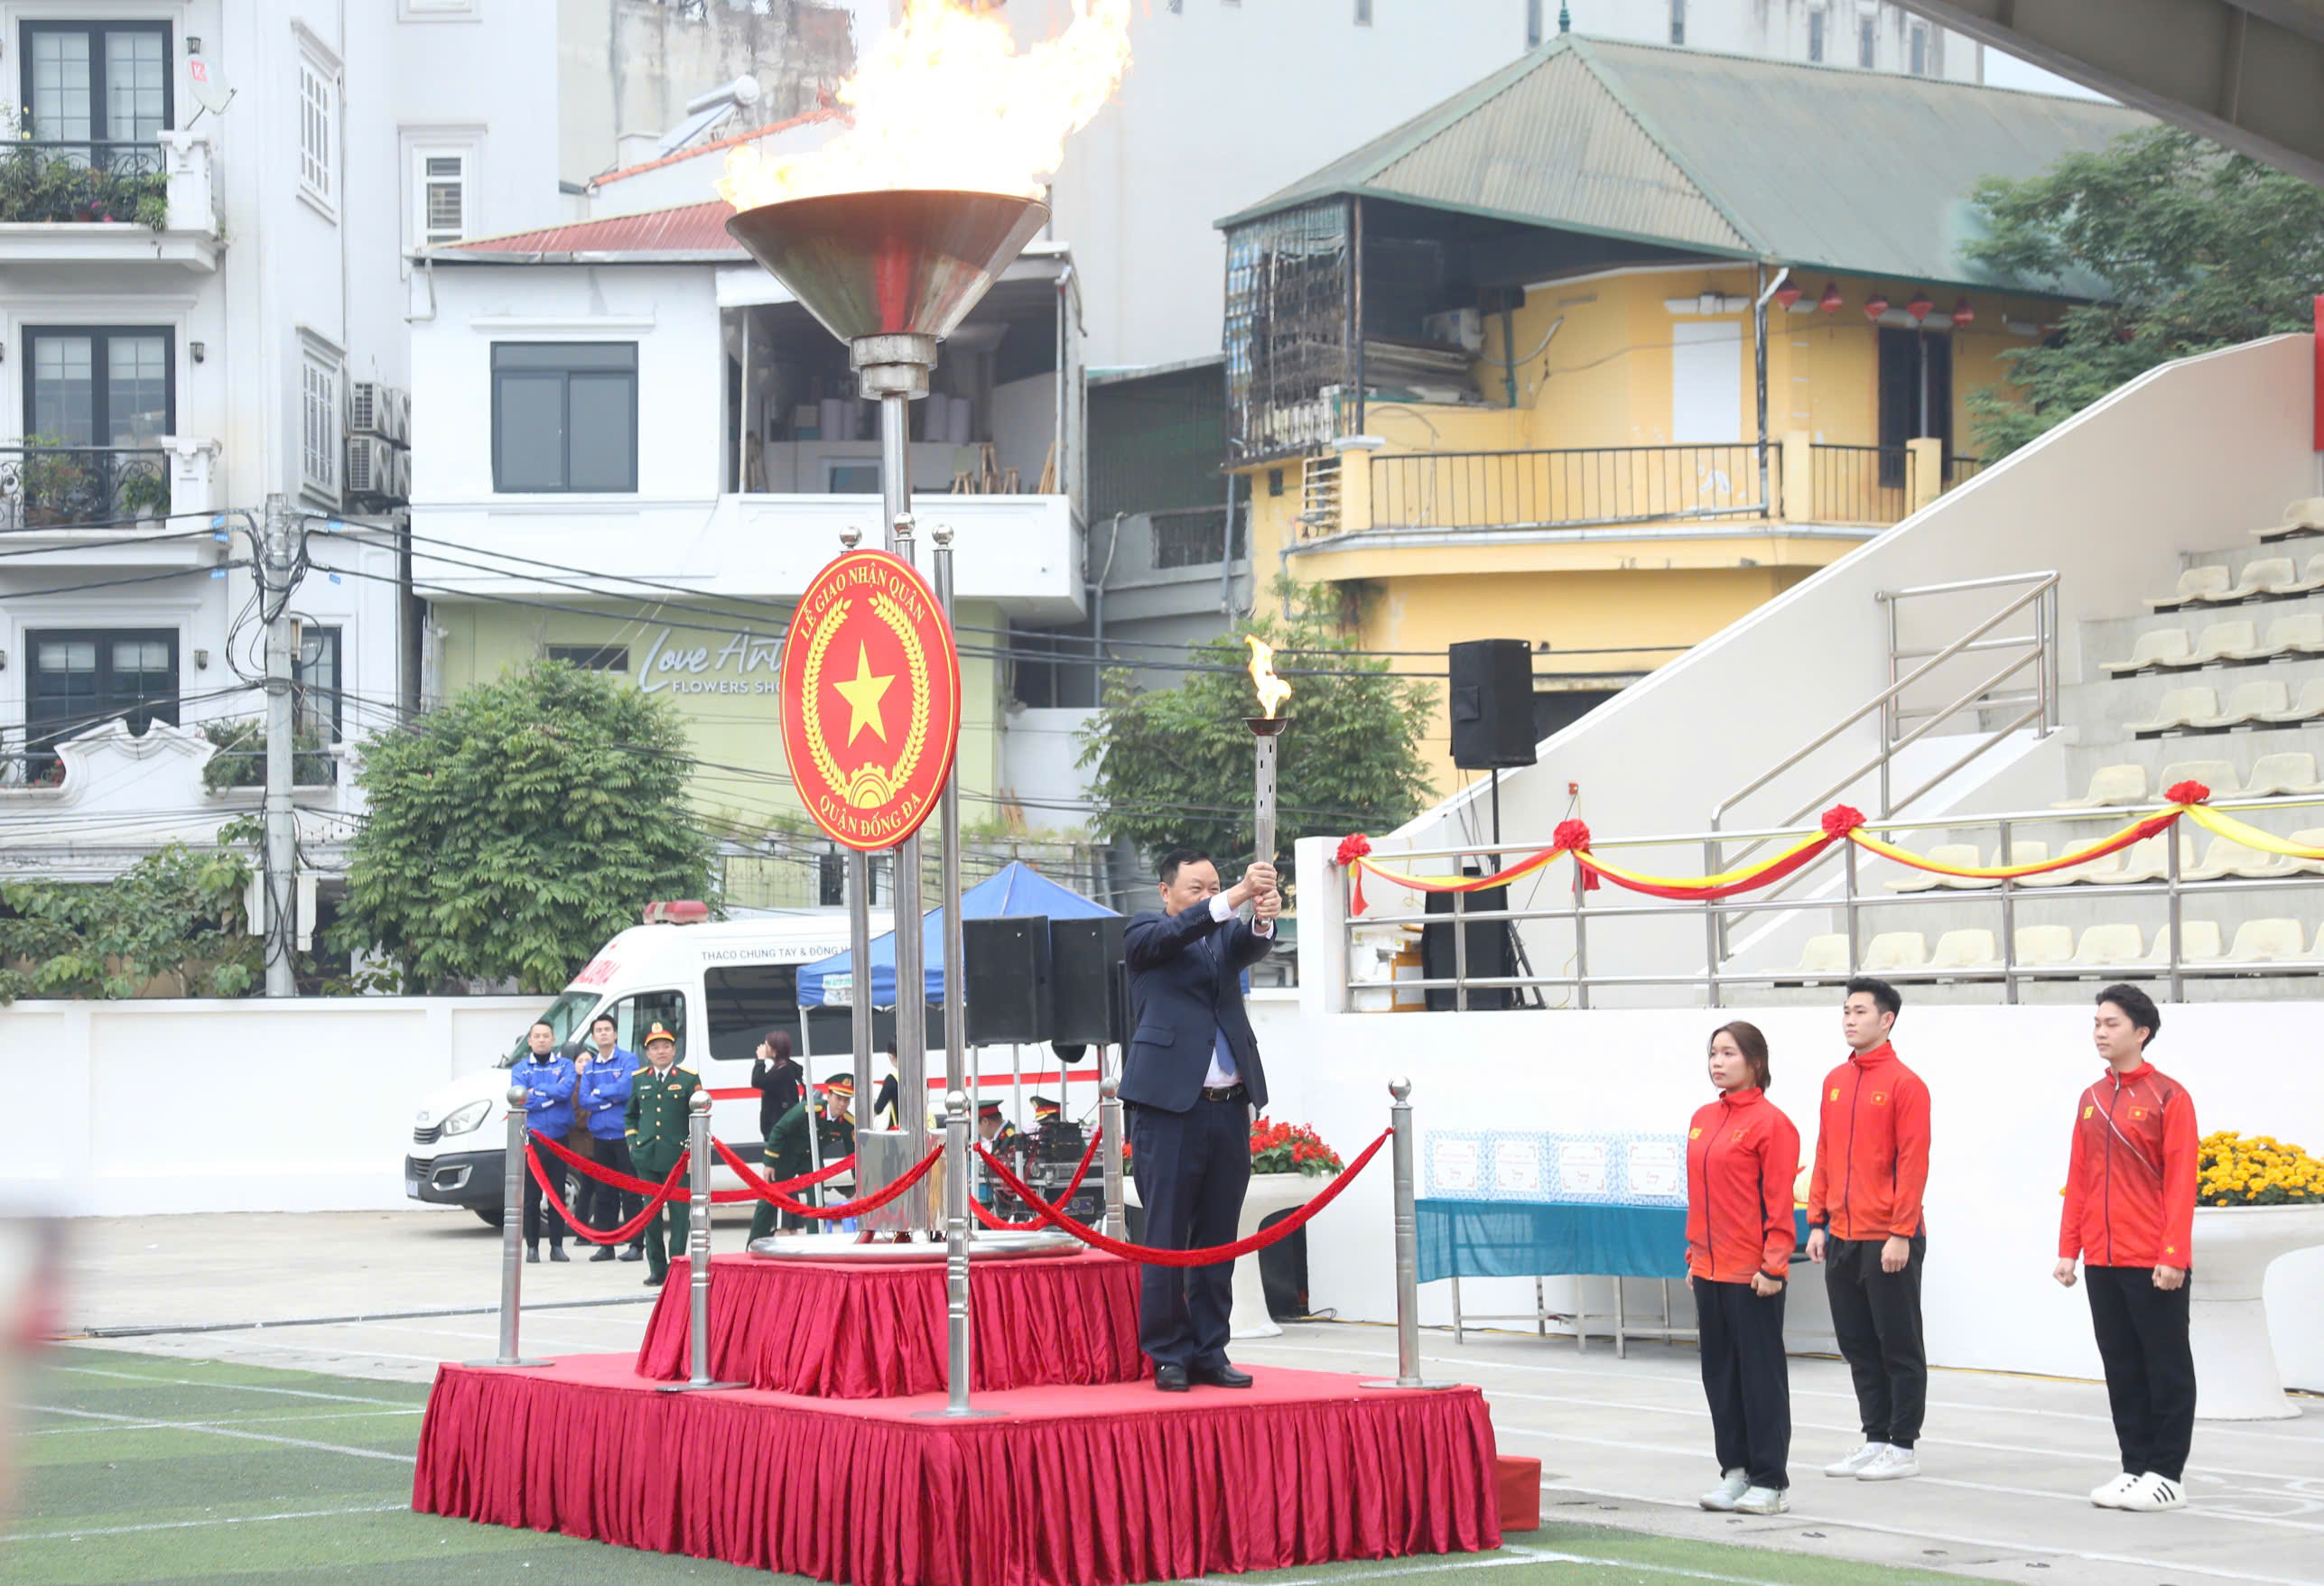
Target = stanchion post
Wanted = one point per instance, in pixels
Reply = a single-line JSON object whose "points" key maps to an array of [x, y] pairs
{"points": [[1117, 1219], [1407, 1244], [958, 1355], [698, 1246], [512, 1232]]}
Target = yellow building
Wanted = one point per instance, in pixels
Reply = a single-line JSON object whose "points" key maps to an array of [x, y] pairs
{"points": [[1620, 342]]}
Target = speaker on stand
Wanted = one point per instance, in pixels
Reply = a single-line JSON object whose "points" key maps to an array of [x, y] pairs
{"points": [[1490, 705]]}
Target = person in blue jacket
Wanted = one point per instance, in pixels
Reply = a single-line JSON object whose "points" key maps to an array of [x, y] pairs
{"points": [[601, 1096], [548, 1078]]}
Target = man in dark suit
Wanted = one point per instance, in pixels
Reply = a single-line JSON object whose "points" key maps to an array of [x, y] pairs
{"points": [[1192, 1083]]}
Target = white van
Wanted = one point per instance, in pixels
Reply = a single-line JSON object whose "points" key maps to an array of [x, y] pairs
{"points": [[720, 987]]}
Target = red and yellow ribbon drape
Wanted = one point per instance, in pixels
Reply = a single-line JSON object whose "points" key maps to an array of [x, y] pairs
{"points": [[1840, 823]]}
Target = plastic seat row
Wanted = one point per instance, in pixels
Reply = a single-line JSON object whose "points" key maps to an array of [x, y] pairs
{"points": [[2144, 861], [2104, 946], [2302, 517], [2266, 578], [2118, 785], [2172, 649], [2249, 704]]}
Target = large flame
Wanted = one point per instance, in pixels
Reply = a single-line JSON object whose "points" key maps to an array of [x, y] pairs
{"points": [[1272, 690], [943, 100]]}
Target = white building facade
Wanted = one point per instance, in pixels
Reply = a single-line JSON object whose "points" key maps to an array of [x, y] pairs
{"points": [[203, 234]]}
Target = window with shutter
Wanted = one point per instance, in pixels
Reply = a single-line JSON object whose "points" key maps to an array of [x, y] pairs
{"points": [[443, 198], [318, 132]]}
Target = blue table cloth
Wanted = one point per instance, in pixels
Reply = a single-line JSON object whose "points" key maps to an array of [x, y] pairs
{"points": [[1503, 1238]]}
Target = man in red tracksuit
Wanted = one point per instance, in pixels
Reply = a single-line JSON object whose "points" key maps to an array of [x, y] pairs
{"points": [[2128, 1215], [1864, 1217]]}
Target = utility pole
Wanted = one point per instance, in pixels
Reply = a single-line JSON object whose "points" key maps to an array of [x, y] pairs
{"points": [[274, 574]]}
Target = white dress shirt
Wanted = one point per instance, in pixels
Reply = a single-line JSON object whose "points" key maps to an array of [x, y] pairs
{"points": [[1223, 1072]]}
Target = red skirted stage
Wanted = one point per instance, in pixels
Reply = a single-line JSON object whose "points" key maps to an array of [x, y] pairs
{"points": [[1067, 1486], [858, 1331]]}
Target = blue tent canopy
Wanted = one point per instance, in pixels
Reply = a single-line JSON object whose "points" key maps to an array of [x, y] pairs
{"points": [[1016, 888]]}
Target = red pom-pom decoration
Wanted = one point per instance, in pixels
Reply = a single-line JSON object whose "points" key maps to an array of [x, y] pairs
{"points": [[1842, 819], [2188, 793], [1352, 848], [1570, 835]]}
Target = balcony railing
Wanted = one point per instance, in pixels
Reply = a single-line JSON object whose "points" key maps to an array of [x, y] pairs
{"points": [[1876, 485], [1195, 536], [81, 487], [122, 183], [1568, 486]]}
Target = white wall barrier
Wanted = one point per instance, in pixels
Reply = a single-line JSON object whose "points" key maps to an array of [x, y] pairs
{"points": [[122, 1109], [2002, 1082]]}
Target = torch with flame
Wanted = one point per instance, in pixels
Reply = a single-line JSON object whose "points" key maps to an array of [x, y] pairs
{"points": [[944, 101], [1265, 729]]}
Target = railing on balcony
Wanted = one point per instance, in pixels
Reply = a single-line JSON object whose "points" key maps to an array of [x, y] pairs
{"points": [[124, 183], [1960, 470], [1568, 486], [1860, 483], [81, 487], [1195, 536]]}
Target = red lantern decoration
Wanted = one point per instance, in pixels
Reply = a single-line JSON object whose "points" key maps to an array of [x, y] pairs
{"points": [[1788, 294], [1963, 316], [1875, 306], [1830, 302], [1919, 308]]}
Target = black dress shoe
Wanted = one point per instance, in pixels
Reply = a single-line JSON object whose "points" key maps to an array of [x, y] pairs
{"points": [[635, 1253], [1219, 1375], [653, 1279], [1170, 1379], [604, 1253], [557, 1253], [533, 1255]]}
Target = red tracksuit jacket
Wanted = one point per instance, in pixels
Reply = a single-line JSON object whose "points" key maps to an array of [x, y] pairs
{"points": [[1742, 1156], [1871, 1149], [2129, 1182]]}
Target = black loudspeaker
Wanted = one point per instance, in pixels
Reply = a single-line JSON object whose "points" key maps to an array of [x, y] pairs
{"points": [[1006, 979], [1489, 957], [1084, 991], [1491, 703]]}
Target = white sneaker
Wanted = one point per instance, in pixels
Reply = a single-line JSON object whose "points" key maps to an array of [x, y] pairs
{"points": [[1893, 1464], [1721, 1498], [1763, 1500], [2108, 1494], [2150, 1494], [1865, 1456]]}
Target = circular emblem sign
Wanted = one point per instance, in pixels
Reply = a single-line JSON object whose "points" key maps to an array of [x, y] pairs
{"points": [[871, 699]]}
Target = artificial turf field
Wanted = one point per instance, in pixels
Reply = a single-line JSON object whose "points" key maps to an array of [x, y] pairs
{"points": [[137, 1468]]}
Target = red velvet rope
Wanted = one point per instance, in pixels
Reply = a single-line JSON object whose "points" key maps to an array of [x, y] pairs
{"points": [[755, 1186], [993, 1220], [603, 1174], [659, 1194], [1152, 1257]]}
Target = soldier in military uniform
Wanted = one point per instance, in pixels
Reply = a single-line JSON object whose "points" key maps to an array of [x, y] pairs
{"points": [[656, 1127], [993, 1127], [787, 1154]]}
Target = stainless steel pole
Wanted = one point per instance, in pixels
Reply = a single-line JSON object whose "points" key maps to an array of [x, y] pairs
{"points": [[512, 1233], [959, 1359], [1408, 1242], [698, 1246], [911, 977], [1117, 1217], [948, 818]]}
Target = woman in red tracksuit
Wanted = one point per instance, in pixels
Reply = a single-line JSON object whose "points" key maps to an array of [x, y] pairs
{"points": [[1743, 1155], [2128, 1215]]}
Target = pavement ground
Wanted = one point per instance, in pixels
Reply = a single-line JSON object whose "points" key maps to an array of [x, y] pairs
{"points": [[283, 1453]]}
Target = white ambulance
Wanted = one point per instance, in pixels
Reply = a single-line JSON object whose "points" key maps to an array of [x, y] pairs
{"points": [[719, 986]]}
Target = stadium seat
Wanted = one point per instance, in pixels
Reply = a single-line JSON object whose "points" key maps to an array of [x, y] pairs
{"points": [[2286, 772], [2218, 775], [2110, 785], [2162, 648], [2106, 946], [2300, 634], [2044, 944], [2267, 941], [2249, 702], [2313, 579], [2226, 857], [2148, 860], [2310, 836], [1966, 950], [2266, 575], [1943, 853], [2221, 641], [2105, 869], [2194, 584], [2302, 517], [2199, 942], [2306, 707], [2181, 709], [1823, 956], [1896, 950]]}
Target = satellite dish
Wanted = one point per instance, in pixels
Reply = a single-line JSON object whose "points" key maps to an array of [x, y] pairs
{"points": [[211, 93]]}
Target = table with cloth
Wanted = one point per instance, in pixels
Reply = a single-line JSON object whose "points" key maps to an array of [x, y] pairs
{"points": [[1549, 1238]]}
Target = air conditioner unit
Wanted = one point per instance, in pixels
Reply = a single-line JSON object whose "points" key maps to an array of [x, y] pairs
{"points": [[374, 409], [369, 463], [1461, 327], [399, 477], [399, 415]]}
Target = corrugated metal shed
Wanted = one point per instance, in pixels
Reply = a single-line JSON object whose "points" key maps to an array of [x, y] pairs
{"points": [[1806, 165]]}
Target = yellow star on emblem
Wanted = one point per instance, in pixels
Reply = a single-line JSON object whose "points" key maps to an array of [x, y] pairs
{"points": [[862, 693]]}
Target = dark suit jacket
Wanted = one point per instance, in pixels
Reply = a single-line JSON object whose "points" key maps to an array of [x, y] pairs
{"points": [[1186, 986]]}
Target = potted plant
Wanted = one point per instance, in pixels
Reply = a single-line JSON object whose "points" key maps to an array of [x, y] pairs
{"points": [[145, 493], [1289, 1166], [55, 483], [2255, 1199]]}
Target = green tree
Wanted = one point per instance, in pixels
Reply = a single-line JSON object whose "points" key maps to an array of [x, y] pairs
{"points": [[2187, 246], [1172, 767], [515, 829], [174, 917]]}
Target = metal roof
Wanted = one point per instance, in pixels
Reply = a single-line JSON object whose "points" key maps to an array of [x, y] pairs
{"points": [[689, 233], [1808, 165]]}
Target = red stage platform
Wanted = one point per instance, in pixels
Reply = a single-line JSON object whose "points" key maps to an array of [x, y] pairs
{"points": [[1065, 1487], [858, 1331]]}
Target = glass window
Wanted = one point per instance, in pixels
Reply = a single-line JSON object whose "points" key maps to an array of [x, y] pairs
{"points": [[80, 679], [1815, 36], [634, 1015], [563, 1016], [318, 129], [746, 1000], [1677, 22], [1867, 43], [99, 386], [592, 657], [564, 416], [1920, 51], [98, 94], [315, 685], [319, 423], [441, 193], [854, 478]]}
